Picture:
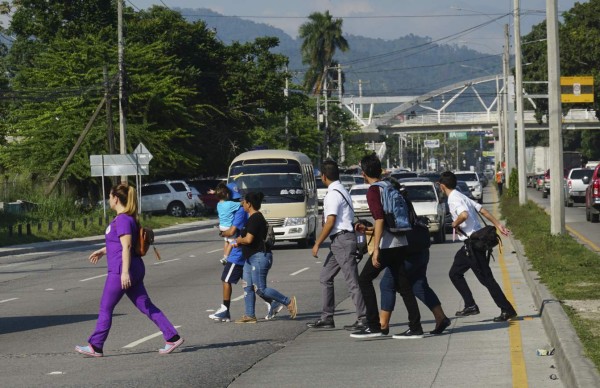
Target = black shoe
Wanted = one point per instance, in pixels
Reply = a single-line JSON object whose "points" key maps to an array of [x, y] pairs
{"points": [[505, 316], [322, 324], [409, 334], [385, 331], [471, 310], [356, 326], [366, 333], [439, 329]]}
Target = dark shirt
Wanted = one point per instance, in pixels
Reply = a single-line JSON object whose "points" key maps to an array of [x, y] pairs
{"points": [[256, 226], [374, 202]]}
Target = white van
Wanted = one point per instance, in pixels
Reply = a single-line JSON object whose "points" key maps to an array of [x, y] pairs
{"points": [[287, 180]]}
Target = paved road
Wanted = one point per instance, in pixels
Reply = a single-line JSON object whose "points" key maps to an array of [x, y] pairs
{"points": [[575, 221], [48, 304]]}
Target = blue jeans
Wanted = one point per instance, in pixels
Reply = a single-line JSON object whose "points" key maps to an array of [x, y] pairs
{"points": [[255, 275], [416, 269]]}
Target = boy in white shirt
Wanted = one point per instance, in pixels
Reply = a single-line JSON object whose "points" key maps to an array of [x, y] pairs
{"points": [[465, 219]]}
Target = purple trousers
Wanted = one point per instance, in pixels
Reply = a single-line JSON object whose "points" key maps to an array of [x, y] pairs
{"points": [[137, 293]]}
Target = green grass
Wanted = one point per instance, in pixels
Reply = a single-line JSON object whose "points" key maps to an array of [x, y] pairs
{"points": [[568, 269], [95, 225]]}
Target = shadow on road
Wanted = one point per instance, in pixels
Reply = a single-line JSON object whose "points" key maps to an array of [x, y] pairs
{"points": [[19, 324]]}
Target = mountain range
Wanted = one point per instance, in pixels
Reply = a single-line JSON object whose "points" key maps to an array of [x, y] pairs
{"points": [[408, 66]]}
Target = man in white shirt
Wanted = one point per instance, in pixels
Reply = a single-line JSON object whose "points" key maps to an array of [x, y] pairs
{"points": [[338, 216], [465, 219]]}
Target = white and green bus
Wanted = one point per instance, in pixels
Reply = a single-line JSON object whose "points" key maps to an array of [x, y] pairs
{"points": [[287, 180]]}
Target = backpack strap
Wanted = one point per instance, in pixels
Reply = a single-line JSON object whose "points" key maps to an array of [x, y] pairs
{"points": [[348, 203]]}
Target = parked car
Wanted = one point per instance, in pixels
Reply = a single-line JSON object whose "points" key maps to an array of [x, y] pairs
{"points": [[472, 179], [321, 191], [432, 176], [206, 188], [347, 181], [483, 179], [546, 184], [358, 179], [463, 187], [592, 196], [173, 197], [403, 175], [358, 193], [538, 182], [574, 186], [426, 202], [489, 174]]}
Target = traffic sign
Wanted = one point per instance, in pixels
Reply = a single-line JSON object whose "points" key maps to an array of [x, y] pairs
{"points": [[435, 143], [576, 89], [458, 135]]}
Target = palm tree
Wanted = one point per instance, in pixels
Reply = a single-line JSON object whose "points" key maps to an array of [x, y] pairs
{"points": [[322, 36]]}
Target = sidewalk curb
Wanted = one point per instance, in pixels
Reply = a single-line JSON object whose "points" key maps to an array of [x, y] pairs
{"points": [[574, 368], [62, 244]]}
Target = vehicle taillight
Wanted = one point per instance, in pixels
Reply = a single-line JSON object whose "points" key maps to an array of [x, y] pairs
{"points": [[189, 194], [569, 184], [596, 188]]}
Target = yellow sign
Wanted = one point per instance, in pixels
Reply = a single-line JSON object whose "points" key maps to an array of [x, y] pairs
{"points": [[577, 89]]}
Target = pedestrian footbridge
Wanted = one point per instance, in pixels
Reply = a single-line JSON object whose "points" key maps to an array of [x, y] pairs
{"points": [[442, 113]]}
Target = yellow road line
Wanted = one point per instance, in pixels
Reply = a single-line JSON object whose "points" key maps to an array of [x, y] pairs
{"points": [[582, 238], [519, 370]]}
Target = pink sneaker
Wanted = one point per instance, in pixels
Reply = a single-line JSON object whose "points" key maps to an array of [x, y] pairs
{"points": [[170, 346], [88, 351]]}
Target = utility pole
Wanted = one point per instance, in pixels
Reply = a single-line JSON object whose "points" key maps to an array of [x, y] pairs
{"points": [[110, 132], [501, 134], [509, 110], [326, 113], [557, 209], [340, 95], [121, 49], [286, 94], [519, 95]]}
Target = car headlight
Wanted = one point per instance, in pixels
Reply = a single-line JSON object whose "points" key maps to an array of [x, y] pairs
{"points": [[293, 221], [478, 187]]}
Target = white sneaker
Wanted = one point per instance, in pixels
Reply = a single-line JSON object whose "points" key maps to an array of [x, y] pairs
{"points": [[272, 309], [222, 314]]}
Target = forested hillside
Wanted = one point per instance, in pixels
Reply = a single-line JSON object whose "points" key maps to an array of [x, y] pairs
{"points": [[411, 65]]}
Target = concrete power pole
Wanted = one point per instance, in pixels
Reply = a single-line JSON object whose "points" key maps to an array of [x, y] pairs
{"points": [[557, 209], [121, 49], [519, 95]]}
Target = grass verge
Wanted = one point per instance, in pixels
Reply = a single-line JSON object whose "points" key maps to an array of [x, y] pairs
{"points": [[71, 227], [568, 269]]}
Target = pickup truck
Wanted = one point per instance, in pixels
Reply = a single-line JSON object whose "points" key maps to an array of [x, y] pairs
{"points": [[592, 196], [574, 186]]}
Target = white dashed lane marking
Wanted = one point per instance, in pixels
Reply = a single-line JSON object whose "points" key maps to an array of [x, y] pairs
{"points": [[215, 250], [165, 261], [300, 271], [95, 277], [8, 300], [142, 340]]}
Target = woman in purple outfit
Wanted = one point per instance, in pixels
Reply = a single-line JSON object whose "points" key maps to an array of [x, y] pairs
{"points": [[125, 275]]}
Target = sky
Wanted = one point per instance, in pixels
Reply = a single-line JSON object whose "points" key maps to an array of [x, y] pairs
{"points": [[388, 19]]}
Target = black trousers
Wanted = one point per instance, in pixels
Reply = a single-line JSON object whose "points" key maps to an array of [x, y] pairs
{"points": [[392, 258], [480, 264]]}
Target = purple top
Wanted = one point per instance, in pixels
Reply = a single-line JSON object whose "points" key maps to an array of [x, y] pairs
{"points": [[122, 224]]}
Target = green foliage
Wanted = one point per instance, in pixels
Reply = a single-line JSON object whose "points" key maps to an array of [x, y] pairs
{"points": [[513, 190], [321, 36], [566, 267]]}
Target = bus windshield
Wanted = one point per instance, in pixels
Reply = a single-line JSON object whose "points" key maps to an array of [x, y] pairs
{"points": [[279, 183]]}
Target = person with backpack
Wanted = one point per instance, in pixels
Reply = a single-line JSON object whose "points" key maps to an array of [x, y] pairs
{"points": [[125, 275], [337, 226], [390, 212], [415, 264], [257, 254], [465, 220]]}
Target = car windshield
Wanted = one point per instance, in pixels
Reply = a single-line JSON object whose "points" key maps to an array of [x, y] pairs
{"points": [[579, 174], [359, 191], [421, 193], [467, 177]]}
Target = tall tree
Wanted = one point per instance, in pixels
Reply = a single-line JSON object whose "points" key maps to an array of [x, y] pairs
{"points": [[322, 36]]}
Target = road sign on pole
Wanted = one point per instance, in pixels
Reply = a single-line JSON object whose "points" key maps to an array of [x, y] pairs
{"points": [[431, 143], [136, 164]]}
